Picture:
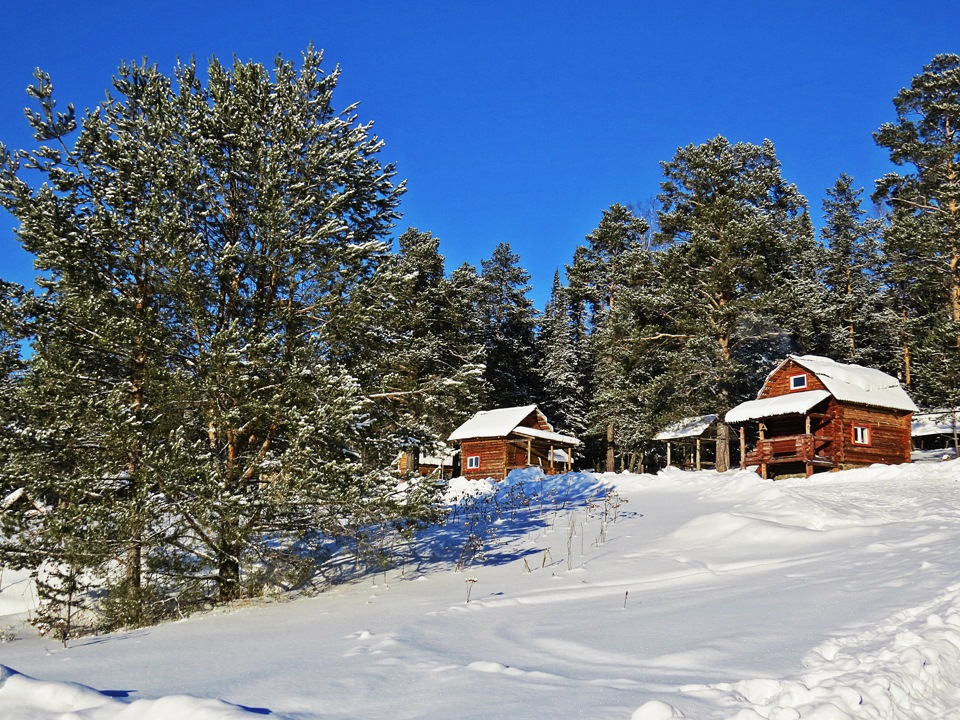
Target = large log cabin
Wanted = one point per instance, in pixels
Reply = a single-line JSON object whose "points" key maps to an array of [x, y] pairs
{"points": [[815, 414], [494, 442]]}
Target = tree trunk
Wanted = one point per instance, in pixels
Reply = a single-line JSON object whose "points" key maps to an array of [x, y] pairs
{"points": [[228, 576], [723, 447], [906, 352], [611, 456]]}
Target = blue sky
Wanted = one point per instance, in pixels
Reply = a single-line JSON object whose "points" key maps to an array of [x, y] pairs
{"points": [[522, 121]]}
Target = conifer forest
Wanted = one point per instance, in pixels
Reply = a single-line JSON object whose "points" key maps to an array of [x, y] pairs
{"points": [[232, 338]]}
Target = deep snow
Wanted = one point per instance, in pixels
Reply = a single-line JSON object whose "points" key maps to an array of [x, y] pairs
{"points": [[695, 595]]}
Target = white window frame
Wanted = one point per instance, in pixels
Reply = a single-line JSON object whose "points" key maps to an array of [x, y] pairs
{"points": [[473, 462], [798, 382], [861, 435]]}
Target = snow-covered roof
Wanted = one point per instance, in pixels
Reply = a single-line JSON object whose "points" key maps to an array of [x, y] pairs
{"points": [[503, 421], [792, 404], [492, 423], [936, 422], [445, 460], [544, 435], [857, 384], [690, 427]]}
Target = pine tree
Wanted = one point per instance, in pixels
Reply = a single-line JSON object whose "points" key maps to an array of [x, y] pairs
{"points": [[923, 240], [597, 277], [195, 391], [730, 224], [427, 379]]}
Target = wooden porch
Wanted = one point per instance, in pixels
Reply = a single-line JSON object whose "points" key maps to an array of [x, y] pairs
{"points": [[531, 452], [806, 449]]}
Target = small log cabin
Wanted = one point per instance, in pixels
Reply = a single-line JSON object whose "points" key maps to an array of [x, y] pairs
{"points": [[689, 433], [817, 414], [494, 442]]}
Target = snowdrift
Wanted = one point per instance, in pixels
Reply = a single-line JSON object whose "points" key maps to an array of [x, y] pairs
{"points": [[681, 595]]}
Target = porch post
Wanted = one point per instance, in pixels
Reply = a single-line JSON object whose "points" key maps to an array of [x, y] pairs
{"points": [[551, 459], [763, 461], [698, 453], [529, 448], [668, 454], [743, 447]]}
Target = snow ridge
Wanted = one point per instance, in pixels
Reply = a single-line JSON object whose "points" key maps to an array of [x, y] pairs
{"points": [[905, 668]]}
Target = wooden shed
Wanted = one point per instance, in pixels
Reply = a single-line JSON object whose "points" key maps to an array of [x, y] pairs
{"points": [[817, 414], [427, 465], [689, 434], [494, 442], [936, 434]]}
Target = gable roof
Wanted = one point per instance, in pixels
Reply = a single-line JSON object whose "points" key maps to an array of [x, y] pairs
{"points": [[855, 383], [503, 421], [690, 427], [492, 423]]}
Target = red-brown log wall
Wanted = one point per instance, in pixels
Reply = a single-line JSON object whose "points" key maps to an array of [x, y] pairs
{"points": [[779, 383], [492, 454], [889, 435]]}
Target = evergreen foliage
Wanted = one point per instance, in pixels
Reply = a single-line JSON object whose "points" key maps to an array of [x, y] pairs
{"points": [[598, 276], [562, 352], [734, 231], [227, 356], [428, 378], [922, 243], [509, 321], [862, 327], [194, 406]]}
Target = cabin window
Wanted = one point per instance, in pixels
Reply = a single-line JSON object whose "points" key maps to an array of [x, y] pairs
{"points": [[798, 382], [861, 435], [473, 462]]}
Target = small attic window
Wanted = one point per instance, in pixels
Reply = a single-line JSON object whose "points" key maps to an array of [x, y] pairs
{"points": [[798, 382]]}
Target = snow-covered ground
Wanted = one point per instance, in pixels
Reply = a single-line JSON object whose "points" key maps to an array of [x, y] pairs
{"points": [[701, 596]]}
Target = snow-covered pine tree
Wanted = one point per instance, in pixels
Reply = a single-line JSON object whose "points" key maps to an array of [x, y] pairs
{"points": [[424, 379], [468, 318], [510, 322], [191, 389], [922, 242], [731, 224], [862, 328], [597, 277], [103, 351]]}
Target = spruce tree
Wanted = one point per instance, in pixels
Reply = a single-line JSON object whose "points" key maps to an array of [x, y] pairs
{"points": [[861, 326], [561, 351], [509, 321], [426, 378]]}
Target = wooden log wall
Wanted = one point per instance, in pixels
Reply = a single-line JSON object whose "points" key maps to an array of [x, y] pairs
{"points": [[889, 436], [779, 383], [493, 456]]}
